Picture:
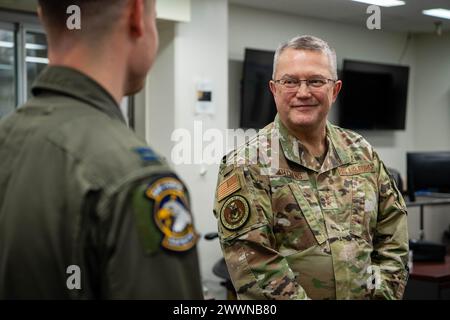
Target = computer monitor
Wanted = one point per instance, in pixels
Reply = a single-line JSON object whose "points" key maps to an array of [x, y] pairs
{"points": [[428, 171]]}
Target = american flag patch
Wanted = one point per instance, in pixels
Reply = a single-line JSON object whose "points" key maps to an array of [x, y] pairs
{"points": [[228, 186]]}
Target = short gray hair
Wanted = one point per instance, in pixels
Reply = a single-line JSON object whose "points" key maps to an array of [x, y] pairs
{"points": [[307, 42]]}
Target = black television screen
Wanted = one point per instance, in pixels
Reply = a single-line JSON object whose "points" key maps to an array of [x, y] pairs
{"points": [[257, 104], [373, 96], [428, 171]]}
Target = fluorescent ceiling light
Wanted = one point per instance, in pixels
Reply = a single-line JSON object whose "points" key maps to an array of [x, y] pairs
{"points": [[440, 13], [35, 46], [383, 3], [6, 44], [30, 46], [37, 60]]}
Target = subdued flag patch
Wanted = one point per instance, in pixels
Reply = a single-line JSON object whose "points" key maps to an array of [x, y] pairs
{"points": [[228, 186]]}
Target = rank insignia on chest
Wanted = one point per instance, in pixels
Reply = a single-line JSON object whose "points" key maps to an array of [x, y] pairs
{"points": [[171, 214], [234, 213]]}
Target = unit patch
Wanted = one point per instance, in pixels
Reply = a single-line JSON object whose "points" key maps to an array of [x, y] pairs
{"points": [[234, 213], [171, 214]]}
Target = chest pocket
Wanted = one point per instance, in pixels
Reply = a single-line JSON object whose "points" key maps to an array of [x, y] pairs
{"points": [[298, 222], [364, 207]]}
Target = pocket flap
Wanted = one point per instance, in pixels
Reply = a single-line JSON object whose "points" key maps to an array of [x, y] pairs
{"points": [[312, 215]]}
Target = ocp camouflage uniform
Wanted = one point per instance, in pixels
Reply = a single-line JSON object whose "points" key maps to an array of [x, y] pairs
{"points": [[336, 230]]}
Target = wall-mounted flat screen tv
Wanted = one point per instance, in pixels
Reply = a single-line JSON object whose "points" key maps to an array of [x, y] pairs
{"points": [[373, 96], [257, 104]]}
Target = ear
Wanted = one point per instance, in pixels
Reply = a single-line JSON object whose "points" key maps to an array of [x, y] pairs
{"points": [[273, 87], [336, 89], [39, 12], [136, 18]]}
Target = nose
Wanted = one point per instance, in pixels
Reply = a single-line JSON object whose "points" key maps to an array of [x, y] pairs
{"points": [[303, 91]]}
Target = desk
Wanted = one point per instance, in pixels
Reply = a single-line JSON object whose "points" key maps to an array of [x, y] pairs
{"points": [[430, 200], [428, 280]]}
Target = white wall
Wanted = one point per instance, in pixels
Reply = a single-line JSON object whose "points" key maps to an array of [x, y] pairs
{"points": [[432, 93], [160, 100], [190, 52], [432, 118], [202, 53]]}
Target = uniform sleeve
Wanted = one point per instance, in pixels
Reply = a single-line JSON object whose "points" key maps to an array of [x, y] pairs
{"points": [[151, 242], [390, 242], [243, 210]]}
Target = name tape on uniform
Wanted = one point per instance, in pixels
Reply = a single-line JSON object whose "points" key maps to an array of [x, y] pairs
{"points": [[292, 174]]}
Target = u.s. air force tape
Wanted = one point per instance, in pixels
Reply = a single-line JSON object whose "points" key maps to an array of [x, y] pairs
{"points": [[234, 213]]}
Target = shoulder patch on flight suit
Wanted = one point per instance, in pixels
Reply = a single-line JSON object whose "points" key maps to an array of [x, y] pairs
{"points": [[234, 213], [228, 186], [171, 214], [356, 169]]}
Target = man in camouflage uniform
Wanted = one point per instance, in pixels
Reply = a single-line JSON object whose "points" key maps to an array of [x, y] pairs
{"points": [[88, 210], [307, 210]]}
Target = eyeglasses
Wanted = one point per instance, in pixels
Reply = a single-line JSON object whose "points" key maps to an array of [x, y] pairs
{"points": [[310, 83]]}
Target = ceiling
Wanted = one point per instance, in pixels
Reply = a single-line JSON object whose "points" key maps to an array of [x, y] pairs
{"points": [[21, 5], [404, 18]]}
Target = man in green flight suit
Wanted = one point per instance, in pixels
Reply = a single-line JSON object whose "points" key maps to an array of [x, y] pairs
{"points": [[88, 210], [307, 210]]}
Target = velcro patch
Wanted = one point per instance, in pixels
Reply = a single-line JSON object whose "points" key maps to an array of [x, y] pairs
{"points": [[228, 186], [171, 214], [234, 213], [291, 174], [356, 169], [146, 153]]}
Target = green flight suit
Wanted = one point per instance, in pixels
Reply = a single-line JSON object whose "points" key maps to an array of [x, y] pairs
{"points": [[79, 190]]}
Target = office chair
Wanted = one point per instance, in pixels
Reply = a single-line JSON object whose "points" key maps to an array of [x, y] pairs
{"points": [[396, 176]]}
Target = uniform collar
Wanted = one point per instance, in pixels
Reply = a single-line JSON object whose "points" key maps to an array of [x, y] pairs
{"points": [[70, 82], [337, 154]]}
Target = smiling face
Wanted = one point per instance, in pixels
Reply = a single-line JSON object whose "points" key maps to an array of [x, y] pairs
{"points": [[307, 107]]}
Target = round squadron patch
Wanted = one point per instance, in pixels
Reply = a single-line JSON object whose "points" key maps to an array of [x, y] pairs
{"points": [[234, 213], [171, 214]]}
